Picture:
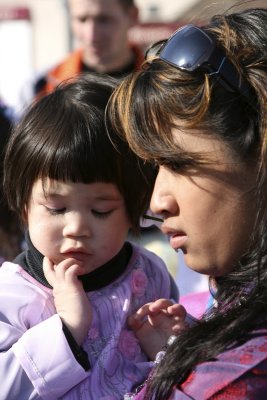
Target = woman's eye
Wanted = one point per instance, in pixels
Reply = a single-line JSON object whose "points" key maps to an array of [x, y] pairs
{"points": [[56, 211], [101, 214], [176, 166]]}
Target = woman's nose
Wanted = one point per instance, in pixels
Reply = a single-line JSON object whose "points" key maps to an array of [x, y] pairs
{"points": [[163, 201]]}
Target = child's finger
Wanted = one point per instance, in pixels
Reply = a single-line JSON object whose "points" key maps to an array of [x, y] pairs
{"points": [[72, 273], [177, 310], [49, 272], [160, 305], [152, 308], [143, 311], [65, 270], [135, 322]]}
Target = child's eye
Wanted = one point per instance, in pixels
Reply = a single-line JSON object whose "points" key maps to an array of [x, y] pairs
{"points": [[101, 214], [56, 211]]}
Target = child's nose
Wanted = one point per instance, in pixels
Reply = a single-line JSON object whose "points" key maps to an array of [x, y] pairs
{"points": [[77, 224]]}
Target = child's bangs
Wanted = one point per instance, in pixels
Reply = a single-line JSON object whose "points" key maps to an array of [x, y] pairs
{"points": [[80, 153]]}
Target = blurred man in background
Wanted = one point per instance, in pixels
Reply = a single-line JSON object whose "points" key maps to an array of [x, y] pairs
{"points": [[101, 29]]}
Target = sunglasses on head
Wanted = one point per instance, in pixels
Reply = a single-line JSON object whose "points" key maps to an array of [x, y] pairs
{"points": [[191, 49]]}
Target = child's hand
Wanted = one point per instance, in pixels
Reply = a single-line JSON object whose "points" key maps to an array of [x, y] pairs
{"points": [[155, 322], [71, 302]]}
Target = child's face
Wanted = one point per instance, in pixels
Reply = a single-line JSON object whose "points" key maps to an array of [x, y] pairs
{"points": [[87, 222]]}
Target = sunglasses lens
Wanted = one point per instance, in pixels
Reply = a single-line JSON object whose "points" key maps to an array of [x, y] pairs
{"points": [[187, 48]]}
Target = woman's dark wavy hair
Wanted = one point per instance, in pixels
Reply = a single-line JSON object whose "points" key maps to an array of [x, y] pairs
{"points": [[63, 136], [144, 109]]}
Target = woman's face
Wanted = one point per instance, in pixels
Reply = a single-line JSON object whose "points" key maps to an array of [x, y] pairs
{"points": [[208, 211]]}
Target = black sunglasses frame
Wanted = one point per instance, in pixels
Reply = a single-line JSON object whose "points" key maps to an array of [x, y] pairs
{"points": [[191, 49]]}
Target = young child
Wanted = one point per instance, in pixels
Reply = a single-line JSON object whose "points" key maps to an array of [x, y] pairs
{"points": [[65, 301]]}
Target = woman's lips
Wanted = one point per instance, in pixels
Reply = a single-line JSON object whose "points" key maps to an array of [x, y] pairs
{"points": [[178, 240]]}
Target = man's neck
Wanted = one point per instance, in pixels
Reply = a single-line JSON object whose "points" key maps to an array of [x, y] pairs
{"points": [[125, 62], [116, 73]]}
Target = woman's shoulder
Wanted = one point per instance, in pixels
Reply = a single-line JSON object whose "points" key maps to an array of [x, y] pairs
{"points": [[196, 303], [241, 370]]}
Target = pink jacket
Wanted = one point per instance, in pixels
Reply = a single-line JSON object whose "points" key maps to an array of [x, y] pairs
{"points": [[36, 361]]}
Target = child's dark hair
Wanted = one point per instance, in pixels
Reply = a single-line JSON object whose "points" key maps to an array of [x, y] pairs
{"points": [[63, 136]]}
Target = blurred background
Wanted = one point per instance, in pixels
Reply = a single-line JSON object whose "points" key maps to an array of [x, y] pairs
{"points": [[35, 34]]}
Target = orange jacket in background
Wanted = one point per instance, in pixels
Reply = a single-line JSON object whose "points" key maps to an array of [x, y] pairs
{"points": [[71, 66]]}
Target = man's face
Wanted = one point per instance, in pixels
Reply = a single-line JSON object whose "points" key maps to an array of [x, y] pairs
{"points": [[101, 27]]}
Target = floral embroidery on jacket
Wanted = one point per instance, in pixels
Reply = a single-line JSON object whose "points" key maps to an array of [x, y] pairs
{"points": [[128, 345], [139, 282]]}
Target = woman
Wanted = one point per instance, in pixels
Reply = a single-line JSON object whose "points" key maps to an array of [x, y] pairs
{"points": [[198, 111]]}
